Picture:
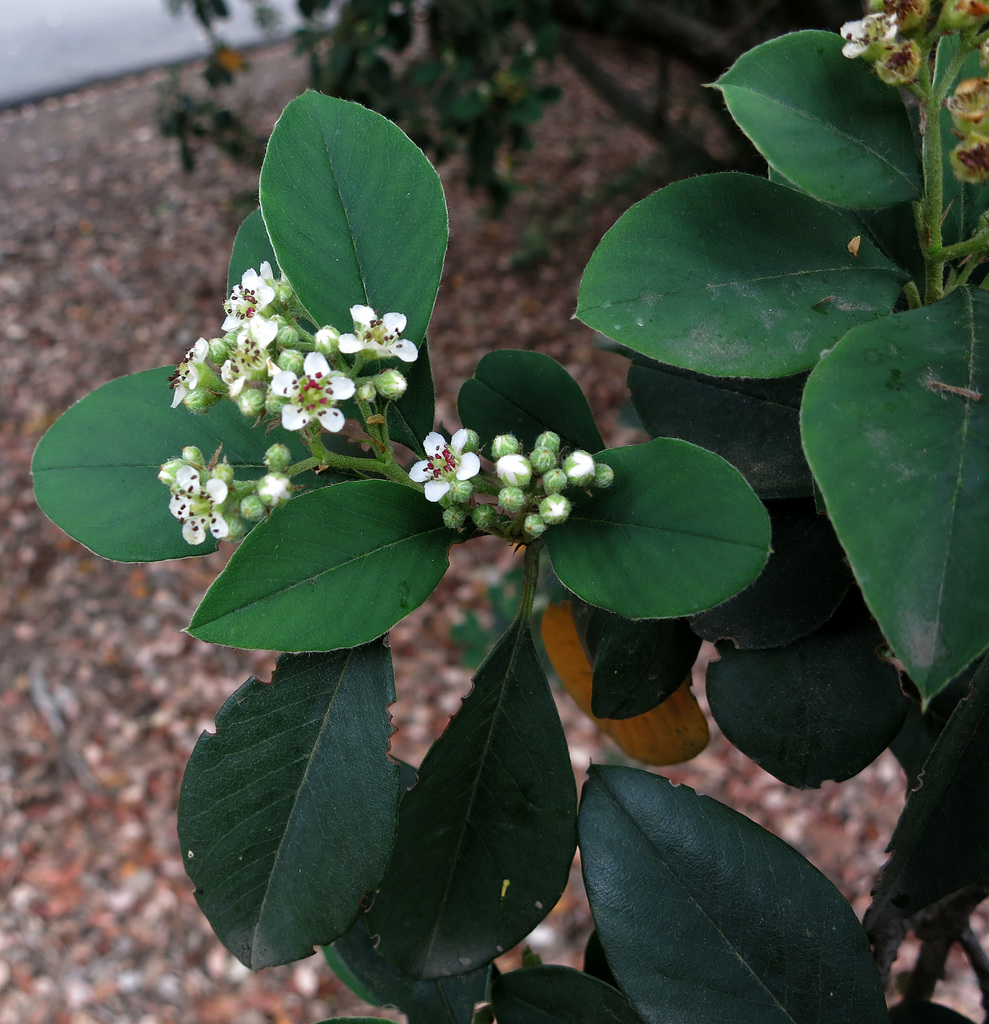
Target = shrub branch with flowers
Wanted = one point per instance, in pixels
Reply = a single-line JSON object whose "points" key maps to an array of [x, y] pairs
{"points": [[809, 353]]}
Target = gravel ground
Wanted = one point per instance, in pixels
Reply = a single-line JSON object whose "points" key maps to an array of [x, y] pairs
{"points": [[111, 261]]}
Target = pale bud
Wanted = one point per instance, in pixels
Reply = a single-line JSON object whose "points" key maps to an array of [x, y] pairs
{"points": [[287, 336], [514, 470], [535, 525], [460, 491], [554, 481], [252, 508], [193, 456], [277, 458], [604, 476], [484, 516], [505, 444], [579, 467], [292, 360], [543, 460], [251, 402], [454, 517], [390, 384], [554, 509], [199, 400], [512, 499], [548, 439], [225, 472], [326, 340], [366, 392], [168, 470]]}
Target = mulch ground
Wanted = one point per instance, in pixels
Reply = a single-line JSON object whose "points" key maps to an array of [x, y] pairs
{"points": [[111, 261]]}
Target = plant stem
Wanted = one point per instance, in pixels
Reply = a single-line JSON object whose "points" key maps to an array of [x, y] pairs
{"points": [[530, 577], [932, 203]]}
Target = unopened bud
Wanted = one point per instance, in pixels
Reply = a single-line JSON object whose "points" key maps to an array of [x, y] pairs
{"points": [[535, 525], [514, 470], [326, 340], [548, 439], [471, 440], [251, 402], [366, 392], [273, 403], [512, 499], [252, 508], [277, 458], [193, 456], [484, 516], [543, 460], [292, 360], [454, 517], [505, 444], [218, 350], [604, 476], [225, 472], [460, 491], [168, 470], [554, 509], [390, 384], [274, 489], [554, 481], [199, 400], [579, 467], [236, 530], [287, 336]]}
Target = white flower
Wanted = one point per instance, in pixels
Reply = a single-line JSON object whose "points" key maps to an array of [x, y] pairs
{"points": [[514, 470], [197, 505], [186, 376], [444, 462], [579, 467], [254, 293], [249, 360], [312, 396], [861, 35], [378, 335], [275, 489]]}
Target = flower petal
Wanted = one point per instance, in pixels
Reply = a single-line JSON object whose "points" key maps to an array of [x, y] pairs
{"points": [[459, 439], [362, 315], [217, 490], [435, 489], [339, 387], [421, 472], [470, 465], [331, 419], [394, 323], [315, 365], [434, 443], [294, 418], [348, 343], [284, 383], [405, 351]]}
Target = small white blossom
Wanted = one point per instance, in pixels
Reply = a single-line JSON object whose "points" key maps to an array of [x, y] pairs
{"points": [[249, 360], [381, 336], [861, 35], [186, 376], [444, 463], [197, 505], [312, 396], [275, 489], [579, 467], [254, 293], [514, 470]]}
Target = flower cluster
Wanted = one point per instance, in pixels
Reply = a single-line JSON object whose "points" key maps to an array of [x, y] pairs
{"points": [[206, 499], [883, 39], [529, 488], [271, 366]]}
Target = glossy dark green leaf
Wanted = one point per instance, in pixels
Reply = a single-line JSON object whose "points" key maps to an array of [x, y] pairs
{"points": [[558, 995], [637, 663], [486, 836], [354, 1020], [803, 583], [734, 275], [96, 469], [706, 917], [525, 393], [754, 424], [441, 1001], [252, 247], [824, 121], [925, 1013], [354, 211], [410, 419], [835, 703], [941, 842], [903, 463], [287, 813], [332, 568], [679, 530]]}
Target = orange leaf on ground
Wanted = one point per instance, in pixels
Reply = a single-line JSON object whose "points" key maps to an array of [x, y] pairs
{"points": [[671, 732]]}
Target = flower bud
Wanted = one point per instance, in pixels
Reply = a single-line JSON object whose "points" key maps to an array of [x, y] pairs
{"points": [[218, 350], [273, 403], [277, 458], [292, 360], [287, 336], [168, 470], [550, 440], [274, 489], [460, 491], [900, 65], [251, 402], [236, 530], [543, 460], [326, 340], [284, 292], [534, 525], [512, 499], [484, 516], [252, 508], [366, 392], [454, 517], [471, 440], [199, 400], [193, 456], [970, 159], [514, 470], [554, 481], [225, 472], [390, 384], [604, 476], [554, 509], [579, 467], [505, 444]]}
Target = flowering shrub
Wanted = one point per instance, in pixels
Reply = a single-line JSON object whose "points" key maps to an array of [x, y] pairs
{"points": [[807, 352]]}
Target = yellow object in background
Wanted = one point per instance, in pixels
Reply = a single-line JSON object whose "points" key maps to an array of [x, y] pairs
{"points": [[673, 731]]}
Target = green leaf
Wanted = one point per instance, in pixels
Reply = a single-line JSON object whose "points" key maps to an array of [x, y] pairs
{"points": [[486, 836], [803, 583], [558, 995], [737, 926], [941, 842], [636, 664], [333, 568], [441, 1001], [354, 1020], [679, 530], [903, 464], [525, 393], [925, 1013], [836, 705], [410, 419], [733, 275], [355, 213], [824, 121], [252, 247], [287, 813], [753, 424], [96, 469]]}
